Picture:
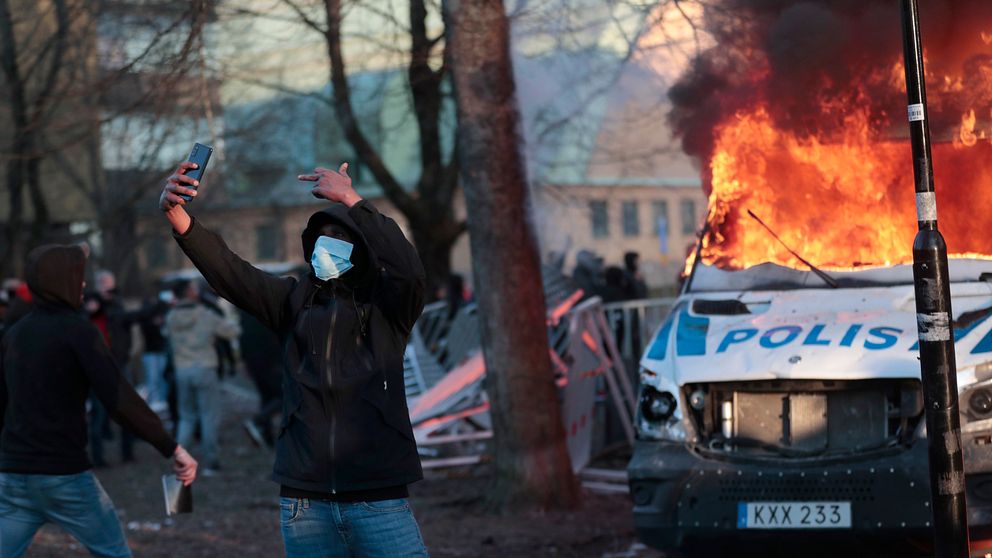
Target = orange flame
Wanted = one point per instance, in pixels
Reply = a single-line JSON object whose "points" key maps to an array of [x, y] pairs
{"points": [[840, 202], [967, 133], [832, 172]]}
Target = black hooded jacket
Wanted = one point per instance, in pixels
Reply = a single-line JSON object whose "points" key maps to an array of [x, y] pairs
{"points": [[346, 427], [50, 360]]}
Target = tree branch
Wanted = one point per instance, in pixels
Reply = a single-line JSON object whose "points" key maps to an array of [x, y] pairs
{"points": [[248, 78], [425, 90], [51, 79], [302, 14], [346, 115], [37, 112], [692, 25]]}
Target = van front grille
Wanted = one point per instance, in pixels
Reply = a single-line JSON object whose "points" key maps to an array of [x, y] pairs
{"points": [[806, 418]]}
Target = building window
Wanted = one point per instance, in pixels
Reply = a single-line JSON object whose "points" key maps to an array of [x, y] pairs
{"points": [[659, 218], [688, 210], [156, 253], [266, 242], [631, 224], [600, 219]]}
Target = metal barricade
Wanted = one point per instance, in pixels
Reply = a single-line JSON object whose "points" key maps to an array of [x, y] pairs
{"points": [[633, 322], [590, 342]]}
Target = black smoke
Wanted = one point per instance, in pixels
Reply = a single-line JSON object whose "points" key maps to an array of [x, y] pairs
{"points": [[811, 62]]}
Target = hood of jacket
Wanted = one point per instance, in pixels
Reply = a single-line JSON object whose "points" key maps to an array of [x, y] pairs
{"points": [[55, 274], [362, 257]]}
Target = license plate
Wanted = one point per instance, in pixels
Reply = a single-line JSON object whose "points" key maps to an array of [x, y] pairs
{"points": [[793, 515]]}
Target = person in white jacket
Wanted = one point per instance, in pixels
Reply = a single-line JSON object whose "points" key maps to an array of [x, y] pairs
{"points": [[192, 329]]}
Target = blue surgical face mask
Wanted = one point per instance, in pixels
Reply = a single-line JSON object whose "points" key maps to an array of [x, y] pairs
{"points": [[331, 258]]}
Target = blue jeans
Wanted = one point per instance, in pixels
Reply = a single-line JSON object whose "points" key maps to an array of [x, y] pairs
{"points": [[75, 502], [198, 391], [99, 422], [154, 367], [323, 529]]}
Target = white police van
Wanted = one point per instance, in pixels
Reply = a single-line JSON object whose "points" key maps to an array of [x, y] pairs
{"points": [[771, 403]]}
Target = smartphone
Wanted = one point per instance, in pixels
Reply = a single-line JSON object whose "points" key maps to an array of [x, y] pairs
{"points": [[199, 155]]}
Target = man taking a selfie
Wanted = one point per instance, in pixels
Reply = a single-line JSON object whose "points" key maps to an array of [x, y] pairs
{"points": [[345, 452]]}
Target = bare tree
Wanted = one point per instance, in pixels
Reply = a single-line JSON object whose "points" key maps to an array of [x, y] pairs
{"points": [[147, 101], [77, 74], [602, 101], [429, 206], [32, 87], [532, 462]]}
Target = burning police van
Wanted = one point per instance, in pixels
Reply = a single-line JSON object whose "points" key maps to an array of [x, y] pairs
{"points": [[771, 402]]}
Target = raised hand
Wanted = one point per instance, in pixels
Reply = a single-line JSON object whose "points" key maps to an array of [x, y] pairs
{"points": [[171, 202], [334, 186], [176, 185]]}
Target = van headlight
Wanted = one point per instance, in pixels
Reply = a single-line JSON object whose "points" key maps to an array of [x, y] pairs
{"points": [[975, 402], [657, 405], [980, 402], [656, 416]]}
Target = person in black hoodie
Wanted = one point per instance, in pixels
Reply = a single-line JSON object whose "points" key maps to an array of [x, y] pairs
{"points": [[49, 362], [345, 452]]}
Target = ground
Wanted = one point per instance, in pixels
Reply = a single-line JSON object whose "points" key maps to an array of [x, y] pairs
{"points": [[237, 514]]}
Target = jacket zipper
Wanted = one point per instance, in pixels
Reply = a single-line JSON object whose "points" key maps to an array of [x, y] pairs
{"points": [[330, 396], [325, 372], [313, 295]]}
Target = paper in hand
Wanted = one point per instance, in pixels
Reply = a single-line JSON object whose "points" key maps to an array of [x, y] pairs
{"points": [[178, 498]]}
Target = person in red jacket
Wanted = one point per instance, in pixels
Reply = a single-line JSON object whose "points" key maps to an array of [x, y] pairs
{"points": [[49, 362]]}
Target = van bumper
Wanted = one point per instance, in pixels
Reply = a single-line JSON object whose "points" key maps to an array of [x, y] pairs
{"points": [[680, 495]]}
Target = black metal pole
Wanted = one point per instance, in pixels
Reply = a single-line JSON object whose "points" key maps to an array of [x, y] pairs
{"points": [[933, 316]]}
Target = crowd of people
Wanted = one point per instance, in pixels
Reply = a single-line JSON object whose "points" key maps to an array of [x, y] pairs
{"points": [[324, 350], [610, 283]]}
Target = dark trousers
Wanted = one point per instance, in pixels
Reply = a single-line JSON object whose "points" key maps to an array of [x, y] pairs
{"points": [[268, 383]]}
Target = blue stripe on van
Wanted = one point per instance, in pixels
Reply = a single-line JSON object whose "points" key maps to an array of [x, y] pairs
{"points": [[690, 337]]}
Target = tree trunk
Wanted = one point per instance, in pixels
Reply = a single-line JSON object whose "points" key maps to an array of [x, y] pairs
{"points": [[435, 253], [27, 117], [39, 227], [532, 462], [11, 258], [120, 244]]}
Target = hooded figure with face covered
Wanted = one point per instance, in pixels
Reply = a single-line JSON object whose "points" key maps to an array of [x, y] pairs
{"points": [[345, 451], [50, 360]]}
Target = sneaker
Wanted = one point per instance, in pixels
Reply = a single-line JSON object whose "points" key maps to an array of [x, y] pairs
{"points": [[253, 432]]}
